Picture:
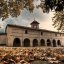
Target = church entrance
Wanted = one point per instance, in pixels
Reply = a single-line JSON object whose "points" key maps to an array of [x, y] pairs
{"points": [[16, 42], [26, 42], [35, 43]]}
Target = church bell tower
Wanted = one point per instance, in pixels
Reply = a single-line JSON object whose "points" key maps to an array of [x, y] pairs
{"points": [[35, 24]]}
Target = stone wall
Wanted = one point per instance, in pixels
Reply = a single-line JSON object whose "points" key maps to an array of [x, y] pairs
{"points": [[3, 39], [16, 32]]}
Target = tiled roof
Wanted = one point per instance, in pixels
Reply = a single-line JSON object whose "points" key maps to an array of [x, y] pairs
{"points": [[34, 22]]}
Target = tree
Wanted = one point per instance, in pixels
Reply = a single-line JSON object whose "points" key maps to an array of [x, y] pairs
{"points": [[58, 20], [14, 7]]}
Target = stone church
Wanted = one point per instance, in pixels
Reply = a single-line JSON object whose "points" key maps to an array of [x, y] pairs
{"points": [[22, 36]]}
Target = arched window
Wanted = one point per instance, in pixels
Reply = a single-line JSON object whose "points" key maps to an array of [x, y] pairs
{"points": [[42, 42], [54, 43], [26, 42], [35, 43], [16, 42], [48, 42]]}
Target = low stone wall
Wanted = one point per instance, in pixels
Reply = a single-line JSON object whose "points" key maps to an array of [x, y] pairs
{"points": [[52, 48]]}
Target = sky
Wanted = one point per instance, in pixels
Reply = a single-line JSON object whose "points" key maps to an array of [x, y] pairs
{"points": [[25, 18]]}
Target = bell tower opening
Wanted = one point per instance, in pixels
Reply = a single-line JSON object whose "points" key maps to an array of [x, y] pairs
{"points": [[35, 24]]}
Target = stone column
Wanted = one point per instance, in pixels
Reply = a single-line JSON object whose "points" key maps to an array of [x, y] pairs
{"points": [[31, 43], [38, 43], [45, 42], [21, 42], [56, 44], [51, 43]]}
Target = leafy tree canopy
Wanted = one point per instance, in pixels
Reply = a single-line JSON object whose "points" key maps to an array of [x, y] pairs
{"points": [[14, 7], [58, 21]]}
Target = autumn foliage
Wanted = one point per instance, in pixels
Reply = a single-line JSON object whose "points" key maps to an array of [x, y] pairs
{"points": [[14, 7]]}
